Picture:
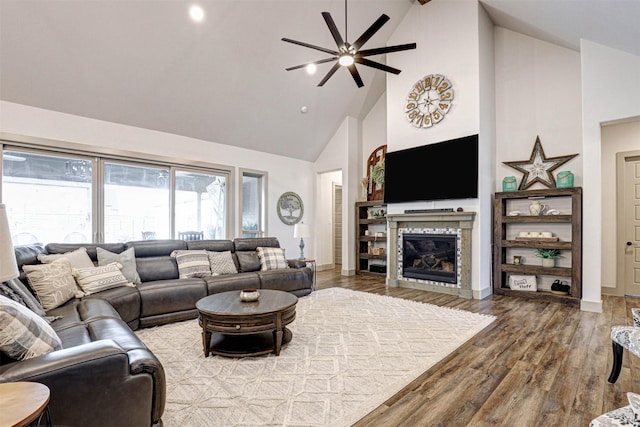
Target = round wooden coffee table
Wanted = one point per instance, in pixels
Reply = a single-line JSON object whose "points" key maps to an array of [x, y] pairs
{"points": [[231, 327], [23, 403]]}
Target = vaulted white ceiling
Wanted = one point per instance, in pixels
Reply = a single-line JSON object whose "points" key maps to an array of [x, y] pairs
{"points": [[145, 63]]}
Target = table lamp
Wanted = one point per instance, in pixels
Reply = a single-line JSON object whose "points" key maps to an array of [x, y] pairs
{"points": [[8, 266], [301, 231]]}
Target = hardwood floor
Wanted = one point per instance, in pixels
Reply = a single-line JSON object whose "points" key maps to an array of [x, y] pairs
{"points": [[538, 364]]}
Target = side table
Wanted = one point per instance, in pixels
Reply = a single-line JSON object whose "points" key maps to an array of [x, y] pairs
{"points": [[23, 404], [313, 268]]}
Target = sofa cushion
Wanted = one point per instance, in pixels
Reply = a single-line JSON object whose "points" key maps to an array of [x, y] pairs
{"points": [[24, 334], [54, 284], [272, 258], [232, 282], [153, 258], [288, 280], [126, 258], [167, 296], [221, 263], [248, 261], [252, 243], [210, 245], [78, 311], [125, 300], [100, 278], [194, 263], [61, 248], [77, 258]]}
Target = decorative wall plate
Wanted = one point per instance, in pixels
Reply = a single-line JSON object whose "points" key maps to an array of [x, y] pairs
{"points": [[290, 208], [429, 101]]}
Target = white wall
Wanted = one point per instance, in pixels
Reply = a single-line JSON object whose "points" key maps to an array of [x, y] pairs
{"points": [[285, 174], [538, 93], [610, 91], [344, 153], [616, 138], [374, 131]]}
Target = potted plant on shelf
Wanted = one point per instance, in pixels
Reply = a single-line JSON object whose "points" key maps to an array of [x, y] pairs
{"points": [[548, 256]]}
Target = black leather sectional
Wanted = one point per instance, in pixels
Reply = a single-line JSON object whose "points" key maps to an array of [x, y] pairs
{"points": [[104, 375]]}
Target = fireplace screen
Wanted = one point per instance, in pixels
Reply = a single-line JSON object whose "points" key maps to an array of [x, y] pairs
{"points": [[430, 257]]}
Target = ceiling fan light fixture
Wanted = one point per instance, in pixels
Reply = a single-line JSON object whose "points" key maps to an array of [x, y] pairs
{"points": [[346, 60], [311, 68]]}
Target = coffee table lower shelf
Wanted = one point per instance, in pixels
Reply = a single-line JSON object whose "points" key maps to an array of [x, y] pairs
{"points": [[246, 345]]}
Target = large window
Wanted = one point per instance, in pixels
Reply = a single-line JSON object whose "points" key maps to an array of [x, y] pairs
{"points": [[253, 206], [200, 205], [48, 197], [56, 197]]}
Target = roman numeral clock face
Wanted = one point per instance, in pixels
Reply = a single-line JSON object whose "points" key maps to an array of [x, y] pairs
{"points": [[429, 101]]}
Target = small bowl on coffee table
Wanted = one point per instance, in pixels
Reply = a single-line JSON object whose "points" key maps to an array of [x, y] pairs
{"points": [[249, 295]]}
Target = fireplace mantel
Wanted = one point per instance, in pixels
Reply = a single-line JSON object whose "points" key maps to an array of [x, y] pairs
{"points": [[462, 221]]}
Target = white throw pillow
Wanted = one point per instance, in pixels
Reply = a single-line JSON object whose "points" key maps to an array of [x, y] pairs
{"points": [[272, 258], [24, 334], [222, 263], [54, 284], [101, 278], [193, 263], [78, 258]]}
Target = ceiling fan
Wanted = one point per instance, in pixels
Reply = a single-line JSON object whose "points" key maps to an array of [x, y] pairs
{"points": [[349, 54]]}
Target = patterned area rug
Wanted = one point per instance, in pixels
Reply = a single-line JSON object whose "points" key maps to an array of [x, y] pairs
{"points": [[350, 352]]}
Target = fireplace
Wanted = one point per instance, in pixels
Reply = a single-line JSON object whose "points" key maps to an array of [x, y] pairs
{"points": [[430, 256], [432, 251]]}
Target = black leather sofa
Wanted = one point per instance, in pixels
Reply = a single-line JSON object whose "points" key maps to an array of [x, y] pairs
{"points": [[104, 375]]}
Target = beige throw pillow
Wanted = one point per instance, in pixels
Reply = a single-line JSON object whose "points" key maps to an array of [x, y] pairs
{"points": [[101, 278], [54, 284], [222, 263], [78, 258], [193, 263]]}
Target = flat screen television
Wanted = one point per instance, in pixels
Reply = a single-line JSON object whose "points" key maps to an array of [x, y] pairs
{"points": [[440, 171]]}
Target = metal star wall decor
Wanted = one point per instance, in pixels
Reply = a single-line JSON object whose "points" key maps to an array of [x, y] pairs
{"points": [[539, 167]]}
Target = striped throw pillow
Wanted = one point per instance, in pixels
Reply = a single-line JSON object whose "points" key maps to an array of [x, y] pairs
{"points": [[192, 263], [271, 258], [24, 334], [101, 278]]}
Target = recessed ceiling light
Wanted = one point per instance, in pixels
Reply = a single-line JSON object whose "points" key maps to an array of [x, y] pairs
{"points": [[196, 13], [304, 109], [311, 68]]}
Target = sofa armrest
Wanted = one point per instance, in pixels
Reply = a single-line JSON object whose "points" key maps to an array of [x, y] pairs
{"points": [[296, 263], [97, 384]]}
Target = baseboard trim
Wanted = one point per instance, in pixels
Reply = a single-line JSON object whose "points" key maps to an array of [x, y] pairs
{"points": [[324, 267], [594, 306], [348, 272], [482, 293]]}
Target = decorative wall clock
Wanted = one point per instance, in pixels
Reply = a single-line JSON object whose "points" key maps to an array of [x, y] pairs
{"points": [[539, 167], [290, 208], [429, 100]]}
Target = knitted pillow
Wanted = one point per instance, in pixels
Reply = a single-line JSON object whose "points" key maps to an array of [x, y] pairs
{"points": [[24, 334], [101, 278], [271, 258], [192, 263], [221, 263]]}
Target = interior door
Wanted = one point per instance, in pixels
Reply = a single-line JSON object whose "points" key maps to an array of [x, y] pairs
{"points": [[632, 227]]}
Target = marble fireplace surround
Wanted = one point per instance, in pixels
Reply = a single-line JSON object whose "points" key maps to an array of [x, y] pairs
{"points": [[462, 221]]}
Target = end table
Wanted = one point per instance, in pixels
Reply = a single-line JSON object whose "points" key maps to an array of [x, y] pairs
{"points": [[23, 404]]}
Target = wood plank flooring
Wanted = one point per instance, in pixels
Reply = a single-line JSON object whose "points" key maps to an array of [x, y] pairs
{"points": [[538, 364]]}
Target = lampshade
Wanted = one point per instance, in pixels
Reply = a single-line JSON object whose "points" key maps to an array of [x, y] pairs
{"points": [[8, 266], [300, 230]]}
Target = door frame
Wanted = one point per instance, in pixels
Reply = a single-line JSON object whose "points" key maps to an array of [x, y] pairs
{"points": [[621, 159]]}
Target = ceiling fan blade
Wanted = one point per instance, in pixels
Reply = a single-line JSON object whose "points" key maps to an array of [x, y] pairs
{"points": [[310, 46], [356, 75], [388, 49], [322, 61], [333, 29], [377, 65], [370, 31], [329, 74]]}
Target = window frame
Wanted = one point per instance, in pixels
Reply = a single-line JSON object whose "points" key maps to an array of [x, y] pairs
{"points": [[262, 202], [98, 155]]}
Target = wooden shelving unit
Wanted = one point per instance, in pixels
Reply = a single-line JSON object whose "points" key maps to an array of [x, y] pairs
{"points": [[366, 223], [569, 222]]}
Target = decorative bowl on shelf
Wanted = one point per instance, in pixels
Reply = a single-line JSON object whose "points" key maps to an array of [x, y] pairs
{"points": [[249, 295]]}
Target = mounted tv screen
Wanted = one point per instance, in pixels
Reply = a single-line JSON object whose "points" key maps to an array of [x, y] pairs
{"points": [[445, 170]]}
